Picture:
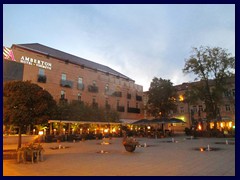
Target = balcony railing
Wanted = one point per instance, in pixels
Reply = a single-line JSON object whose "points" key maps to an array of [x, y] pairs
{"points": [[138, 98], [120, 108], [42, 78], [92, 88], [66, 83], [133, 110], [63, 100], [80, 86], [107, 106], [95, 105]]}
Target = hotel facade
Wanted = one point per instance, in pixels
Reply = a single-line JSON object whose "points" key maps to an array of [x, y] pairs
{"points": [[70, 78]]}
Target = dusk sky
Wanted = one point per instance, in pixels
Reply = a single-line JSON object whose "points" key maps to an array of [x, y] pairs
{"points": [[141, 41]]}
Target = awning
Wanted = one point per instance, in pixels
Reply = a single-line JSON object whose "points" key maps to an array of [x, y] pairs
{"points": [[82, 122], [128, 121]]}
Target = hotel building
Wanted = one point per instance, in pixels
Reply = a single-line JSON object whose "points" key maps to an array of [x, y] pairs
{"points": [[70, 78]]}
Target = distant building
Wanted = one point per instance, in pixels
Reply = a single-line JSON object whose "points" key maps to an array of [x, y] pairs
{"points": [[189, 112], [70, 78]]}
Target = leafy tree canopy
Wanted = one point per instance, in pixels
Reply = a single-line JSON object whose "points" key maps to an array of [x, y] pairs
{"points": [[162, 97], [212, 66], [26, 103]]}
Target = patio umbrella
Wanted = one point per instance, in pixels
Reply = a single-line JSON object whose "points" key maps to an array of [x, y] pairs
{"points": [[159, 121], [175, 120], [141, 122]]}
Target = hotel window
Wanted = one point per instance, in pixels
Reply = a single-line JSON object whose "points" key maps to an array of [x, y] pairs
{"points": [[181, 109], [200, 108], [106, 102], [194, 109], [79, 96], [80, 80], [94, 83], [107, 87], [63, 94], [233, 92], [41, 72], [227, 107], [64, 77]]}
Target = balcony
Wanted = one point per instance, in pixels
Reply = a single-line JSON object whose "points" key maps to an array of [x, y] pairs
{"points": [[92, 88], [107, 107], [120, 108], [95, 105], [63, 100], [133, 110], [80, 86], [138, 98], [66, 83], [42, 78], [117, 94]]}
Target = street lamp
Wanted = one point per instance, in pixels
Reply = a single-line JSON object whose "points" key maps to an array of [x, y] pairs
{"points": [[40, 133]]}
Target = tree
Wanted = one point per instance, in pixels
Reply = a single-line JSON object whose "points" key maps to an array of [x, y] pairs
{"points": [[213, 66], [161, 97], [79, 111], [25, 104]]}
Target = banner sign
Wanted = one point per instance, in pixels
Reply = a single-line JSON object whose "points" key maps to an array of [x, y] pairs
{"points": [[8, 54]]}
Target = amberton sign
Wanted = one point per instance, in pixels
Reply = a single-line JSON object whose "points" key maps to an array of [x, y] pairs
{"points": [[8, 54], [36, 62]]}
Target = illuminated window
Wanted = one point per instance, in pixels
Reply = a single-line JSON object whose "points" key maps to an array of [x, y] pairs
{"points": [[181, 98]]}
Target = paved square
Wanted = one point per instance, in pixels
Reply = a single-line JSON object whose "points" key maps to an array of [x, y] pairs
{"points": [[161, 157]]}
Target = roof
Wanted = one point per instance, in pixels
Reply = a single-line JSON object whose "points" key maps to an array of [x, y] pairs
{"points": [[51, 52]]}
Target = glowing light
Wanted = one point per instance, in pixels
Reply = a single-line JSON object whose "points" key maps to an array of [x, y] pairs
{"points": [[40, 133], [199, 127], [230, 124], [181, 98], [114, 130], [105, 130], [221, 124], [149, 127]]}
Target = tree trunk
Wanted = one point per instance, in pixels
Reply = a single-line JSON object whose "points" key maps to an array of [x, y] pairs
{"points": [[19, 138]]}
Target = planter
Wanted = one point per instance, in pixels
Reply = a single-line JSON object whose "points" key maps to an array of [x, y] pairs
{"points": [[130, 147]]}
